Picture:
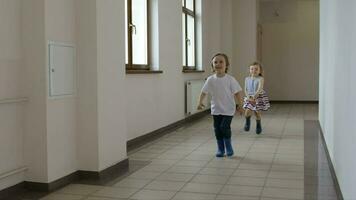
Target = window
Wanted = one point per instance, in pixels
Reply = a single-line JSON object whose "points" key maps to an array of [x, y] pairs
{"points": [[136, 35], [189, 41]]}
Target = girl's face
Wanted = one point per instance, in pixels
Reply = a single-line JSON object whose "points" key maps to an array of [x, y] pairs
{"points": [[255, 70], [219, 64]]}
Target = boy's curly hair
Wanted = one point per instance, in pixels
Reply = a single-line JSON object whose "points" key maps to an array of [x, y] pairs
{"points": [[226, 61]]}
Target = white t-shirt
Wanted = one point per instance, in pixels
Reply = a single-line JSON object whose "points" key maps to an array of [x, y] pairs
{"points": [[222, 91]]}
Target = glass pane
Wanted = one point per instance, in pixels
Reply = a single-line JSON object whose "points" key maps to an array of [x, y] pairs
{"points": [[184, 41], [139, 32], [191, 41], [126, 38], [190, 4], [182, 3]]}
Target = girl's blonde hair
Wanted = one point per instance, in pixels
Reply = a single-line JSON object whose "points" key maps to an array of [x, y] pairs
{"points": [[260, 66], [226, 61]]}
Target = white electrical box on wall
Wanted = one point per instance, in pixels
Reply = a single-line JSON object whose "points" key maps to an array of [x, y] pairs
{"points": [[61, 69]]}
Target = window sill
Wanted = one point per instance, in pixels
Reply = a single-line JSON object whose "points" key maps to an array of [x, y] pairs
{"points": [[140, 71], [192, 71]]}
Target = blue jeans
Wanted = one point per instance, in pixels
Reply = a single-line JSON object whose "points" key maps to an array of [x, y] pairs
{"points": [[222, 126]]}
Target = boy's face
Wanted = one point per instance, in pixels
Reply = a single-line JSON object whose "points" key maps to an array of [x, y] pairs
{"points": [[219, 64], [254, 70]]}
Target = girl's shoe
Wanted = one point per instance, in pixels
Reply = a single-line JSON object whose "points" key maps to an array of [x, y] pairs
{"points": [[247, 123], [221, 148], [258, 127], [229, 150]]}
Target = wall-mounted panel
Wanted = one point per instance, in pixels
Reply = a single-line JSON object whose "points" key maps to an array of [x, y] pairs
{"points": [[62, 69]]}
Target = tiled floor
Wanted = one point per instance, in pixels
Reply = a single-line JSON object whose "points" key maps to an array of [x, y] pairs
{"points": [[182, 165]]}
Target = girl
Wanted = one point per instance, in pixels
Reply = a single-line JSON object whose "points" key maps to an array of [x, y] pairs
{"points": [[225, 91], [256, 99]]}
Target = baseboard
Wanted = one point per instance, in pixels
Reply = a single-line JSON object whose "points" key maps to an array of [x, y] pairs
{"points": [[115, 170], [11, 190], [78, 176], [144, 139], [331, 166], [293, 102]]}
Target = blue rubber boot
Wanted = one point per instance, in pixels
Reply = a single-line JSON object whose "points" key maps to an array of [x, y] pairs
{"points": [[258, 127], [221, 148], [229, 150], [247, 123]]}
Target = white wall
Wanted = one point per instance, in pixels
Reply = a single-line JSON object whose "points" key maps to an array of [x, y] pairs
{"points": [[337, 88], [87, 146], [244, 37], [290, 43], [11, 73], [101, 104], [112, 129], [227, 35], [58, 132], [34, 51], [11, 87], [54, 137], [157, 100], [61, 112]]}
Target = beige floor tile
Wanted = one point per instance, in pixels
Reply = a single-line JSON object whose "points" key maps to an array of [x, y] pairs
{"points": [[210, 151], [192, 163], [79, 189], [247, 181], [57, 196], [257, 162], [115, 192], [234, 197], [174, 152], [223, 164], [171, 156], [202, 188], [241, 190], [285, 175], [165, 185], [103, 198], [144, 175], [260, 155], [132, 183], [142, 155], [195, 156], [184, 169], [288, 161], [288, 168], [216, 171], [152, 150], [175, 177], [285, 183], [155, 168], [262, 150], [153, 195], [249, 166], [193, 196], [210, 179], [190, 144], [251, 173], [283, 193], [164, 161]]}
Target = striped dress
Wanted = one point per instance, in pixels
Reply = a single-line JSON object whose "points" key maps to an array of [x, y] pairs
{"points": [[261, 103]]}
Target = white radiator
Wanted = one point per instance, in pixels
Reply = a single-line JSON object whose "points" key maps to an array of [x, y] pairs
{"points": [[192, 92]]}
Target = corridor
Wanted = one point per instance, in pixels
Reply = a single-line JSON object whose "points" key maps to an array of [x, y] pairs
{"points": [[285, 162]]}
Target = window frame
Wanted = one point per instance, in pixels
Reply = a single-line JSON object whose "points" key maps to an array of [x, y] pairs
{"points": [[130, 28], [191, 13]]}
